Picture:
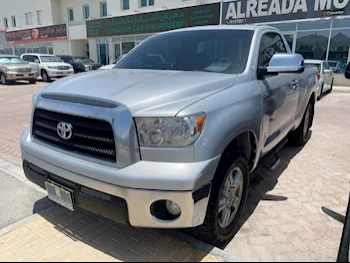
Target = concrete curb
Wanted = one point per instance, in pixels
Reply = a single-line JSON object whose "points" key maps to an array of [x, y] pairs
{"points": [[18, 173]]}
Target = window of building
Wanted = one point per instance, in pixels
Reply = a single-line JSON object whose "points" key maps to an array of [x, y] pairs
{"points": [[86, 11], [103, 7], [313, 44], [271, 44], [70, 14], [13, 19], [29, 19], [339, 49], [39, 17], [314, 25], [126, 4], [6, 24], [147, 3]]}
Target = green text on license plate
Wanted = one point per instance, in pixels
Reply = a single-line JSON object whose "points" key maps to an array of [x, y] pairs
{"points": [[60, 195]]}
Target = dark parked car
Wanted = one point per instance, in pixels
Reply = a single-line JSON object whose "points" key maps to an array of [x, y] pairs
{"points": [[81, 64], [347, 73]]}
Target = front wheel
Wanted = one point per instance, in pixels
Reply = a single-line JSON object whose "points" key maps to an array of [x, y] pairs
{"points": [[227, 201], [300, 136], [45, 76], [3, 79]]}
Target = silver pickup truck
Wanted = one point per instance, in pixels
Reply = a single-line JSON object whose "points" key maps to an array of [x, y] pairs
{"points": [[176, 129]]}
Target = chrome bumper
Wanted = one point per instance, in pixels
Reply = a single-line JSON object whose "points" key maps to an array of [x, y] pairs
{"points": [[21, 76], [193, 203]]}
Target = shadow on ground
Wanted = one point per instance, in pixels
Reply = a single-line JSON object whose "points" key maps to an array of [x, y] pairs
{"points": [[99, 238], [265, 180], [118, 240]]}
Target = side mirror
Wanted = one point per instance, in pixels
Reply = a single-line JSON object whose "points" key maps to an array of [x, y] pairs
{"points": [[26, 62], [286, 64], [328, 71]]}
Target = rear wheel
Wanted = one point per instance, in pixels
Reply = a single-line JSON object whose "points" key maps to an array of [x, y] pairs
{"points": [[300, 136], [3, 79], [45, 76], [227, 201]]}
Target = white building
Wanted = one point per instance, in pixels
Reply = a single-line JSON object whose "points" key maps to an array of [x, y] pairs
{"points": [[39, 25]]}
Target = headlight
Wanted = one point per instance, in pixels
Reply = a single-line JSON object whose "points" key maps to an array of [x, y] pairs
{"points": [[52, 67], [170, 132]]}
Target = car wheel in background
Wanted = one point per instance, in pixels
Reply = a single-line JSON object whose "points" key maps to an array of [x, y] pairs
{"points": [[32, 81], [227, 201], [3, 79], [45, 76]]}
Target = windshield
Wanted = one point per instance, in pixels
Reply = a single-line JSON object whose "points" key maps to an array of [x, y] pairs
{"points": [[313, 65], [219, 51], [82, 60], [50, 59], [10, 60]]}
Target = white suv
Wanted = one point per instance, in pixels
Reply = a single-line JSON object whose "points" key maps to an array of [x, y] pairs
{"points": [[49, 66]]}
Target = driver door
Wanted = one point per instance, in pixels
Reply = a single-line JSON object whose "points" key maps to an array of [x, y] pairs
{"points": [[280, 94]]}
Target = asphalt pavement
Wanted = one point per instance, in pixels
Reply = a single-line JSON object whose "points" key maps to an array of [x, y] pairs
{"points": [[18, 200]]}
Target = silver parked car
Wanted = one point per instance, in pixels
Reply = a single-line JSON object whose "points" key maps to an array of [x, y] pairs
{"points": [[12, 69], [326, 75], [176, 129]]}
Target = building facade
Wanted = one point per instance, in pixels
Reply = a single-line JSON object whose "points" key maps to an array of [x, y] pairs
{"points": [[107, 29], [316, 29]]}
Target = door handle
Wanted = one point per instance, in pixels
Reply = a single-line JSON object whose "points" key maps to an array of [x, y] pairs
{"points": [[295, 84]]}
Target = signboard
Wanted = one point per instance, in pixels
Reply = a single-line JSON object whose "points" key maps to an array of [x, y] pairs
{"points": [[155, 21], [48, 33], [261, 11]]}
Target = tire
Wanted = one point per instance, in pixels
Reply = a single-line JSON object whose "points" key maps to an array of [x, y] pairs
{"points": [[213, 231], [3, 79], [32, 81], [301, 136], [331, 90], [45, 76]]}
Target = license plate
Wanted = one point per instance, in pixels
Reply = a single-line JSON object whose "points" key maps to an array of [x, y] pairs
{"points": [[26, 75], [60, 195]]}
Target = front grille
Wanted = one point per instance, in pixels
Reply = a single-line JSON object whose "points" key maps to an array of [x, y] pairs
{"points": [[63, 67], [90, 137], [24, 70]]}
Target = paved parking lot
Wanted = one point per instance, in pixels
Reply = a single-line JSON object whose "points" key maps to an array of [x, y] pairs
{"points": [[287, 214]]}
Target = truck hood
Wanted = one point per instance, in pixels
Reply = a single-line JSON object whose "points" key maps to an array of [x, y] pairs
{"points": [[144, 92], [56, 64]]}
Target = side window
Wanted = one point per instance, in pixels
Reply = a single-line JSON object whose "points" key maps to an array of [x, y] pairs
{"points": [[271, 44], [25, 58], [327, 66], [64, 58], [29, 58]]}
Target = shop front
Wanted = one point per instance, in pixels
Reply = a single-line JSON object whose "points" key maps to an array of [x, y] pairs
{"points": [[44, 40], [316, 29], [113, 37]]}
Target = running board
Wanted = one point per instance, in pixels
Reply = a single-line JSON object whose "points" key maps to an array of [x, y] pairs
{"points": [[272, 159]]}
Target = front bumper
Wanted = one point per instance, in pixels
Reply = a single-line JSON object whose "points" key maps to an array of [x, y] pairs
{"points": [[139, 200], [21, 76], [60, 73]]}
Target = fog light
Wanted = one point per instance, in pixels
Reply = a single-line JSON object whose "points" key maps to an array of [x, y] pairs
{"points": [[173, 208]]}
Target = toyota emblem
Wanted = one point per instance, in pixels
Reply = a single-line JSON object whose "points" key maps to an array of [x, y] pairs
{"points": [[65, 130]]}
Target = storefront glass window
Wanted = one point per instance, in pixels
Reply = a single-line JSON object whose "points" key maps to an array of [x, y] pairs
{"points": [[290, 40], [339, 49], [286, 27], [313, 45], [341, 23], [127, 47], [117, 51], [36, 50], [43, 50], [314, 25]]}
